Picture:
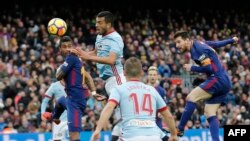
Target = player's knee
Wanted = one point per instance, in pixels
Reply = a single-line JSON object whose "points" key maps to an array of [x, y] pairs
{"points": [[208, 113], [191, 98]]}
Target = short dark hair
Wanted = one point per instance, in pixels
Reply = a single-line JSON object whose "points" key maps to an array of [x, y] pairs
{"points": [[65, 39], [182, 34], [133, 67], [109, 17]]}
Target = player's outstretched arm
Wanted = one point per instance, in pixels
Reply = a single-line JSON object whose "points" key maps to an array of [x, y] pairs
{"points": [[169, 120], [93, 52], [91, 56], [105, 115], [218, 44], [110, 60], [43, 107]]}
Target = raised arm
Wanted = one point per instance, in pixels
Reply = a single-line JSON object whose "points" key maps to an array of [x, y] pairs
{"points": [[218, 44]]}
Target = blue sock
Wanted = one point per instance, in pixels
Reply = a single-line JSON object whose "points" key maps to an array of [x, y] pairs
{"points": [[58, 110], [187, 113], [59, 107], [214, 127]]}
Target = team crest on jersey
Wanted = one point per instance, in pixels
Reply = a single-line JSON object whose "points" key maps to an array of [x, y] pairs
{"points": [[65, 64], [99, 46]]}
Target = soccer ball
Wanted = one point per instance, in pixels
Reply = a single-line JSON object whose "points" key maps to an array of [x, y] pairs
{"points": [[57, 26]]}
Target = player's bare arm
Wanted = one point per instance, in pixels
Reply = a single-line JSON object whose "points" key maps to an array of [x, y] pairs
{"points": [[90, 82], [93, 52], [79, 52], [60, 74], [91, 56], [105, 115], [110, 60], [169, 119], [91, 85]]}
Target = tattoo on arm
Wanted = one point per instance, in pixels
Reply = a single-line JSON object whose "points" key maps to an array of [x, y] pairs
{"points": [[90, 82], [59, 74]]}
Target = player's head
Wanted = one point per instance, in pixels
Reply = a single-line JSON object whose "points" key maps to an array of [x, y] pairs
{"points": [[104, 22], [65, 43], [152, 75], [133, 68], [182, 41]]}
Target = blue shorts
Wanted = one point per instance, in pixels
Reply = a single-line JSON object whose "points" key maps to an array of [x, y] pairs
{"points": [[75, 111], [218, 87]]}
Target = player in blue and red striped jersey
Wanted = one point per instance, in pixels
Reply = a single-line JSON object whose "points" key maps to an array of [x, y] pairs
{"points": [[214, 89], [71, 72]]}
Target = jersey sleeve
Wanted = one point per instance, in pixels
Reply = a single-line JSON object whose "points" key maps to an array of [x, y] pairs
{"points": [[68, 63], [114, 96], [48, 95], [50, 91], [218, 44], [114, 47]]}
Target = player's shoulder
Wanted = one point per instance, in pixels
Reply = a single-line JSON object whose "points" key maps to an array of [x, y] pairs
{"points": [[115, 37], [201, 46], [98, 37], [54, 84], [148, 87], [160, 88]]}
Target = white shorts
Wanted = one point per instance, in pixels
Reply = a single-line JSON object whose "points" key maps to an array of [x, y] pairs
{"points": [[117, 130], [111, 83], [141, 138], [114, 81], [60, 131]]}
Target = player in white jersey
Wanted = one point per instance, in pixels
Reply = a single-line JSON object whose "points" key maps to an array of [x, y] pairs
{"points": [[60, 131], [139, 103], [108, 54]]}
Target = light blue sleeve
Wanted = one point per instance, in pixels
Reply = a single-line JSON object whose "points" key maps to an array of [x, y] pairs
{"points": [[115, 96], [114, 47], [48, 95], [44, 104]]}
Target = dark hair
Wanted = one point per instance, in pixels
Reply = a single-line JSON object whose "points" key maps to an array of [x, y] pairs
{"points": [[109, 17], [133, 67], [182, 34], [65, 39]]}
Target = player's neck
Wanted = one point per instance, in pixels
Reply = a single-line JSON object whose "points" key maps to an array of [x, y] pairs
{"points": [[153, 84], [111, 30], [133, 79]]}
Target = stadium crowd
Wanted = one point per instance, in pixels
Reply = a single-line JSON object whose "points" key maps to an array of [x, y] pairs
{"points": [[29, 58]]}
